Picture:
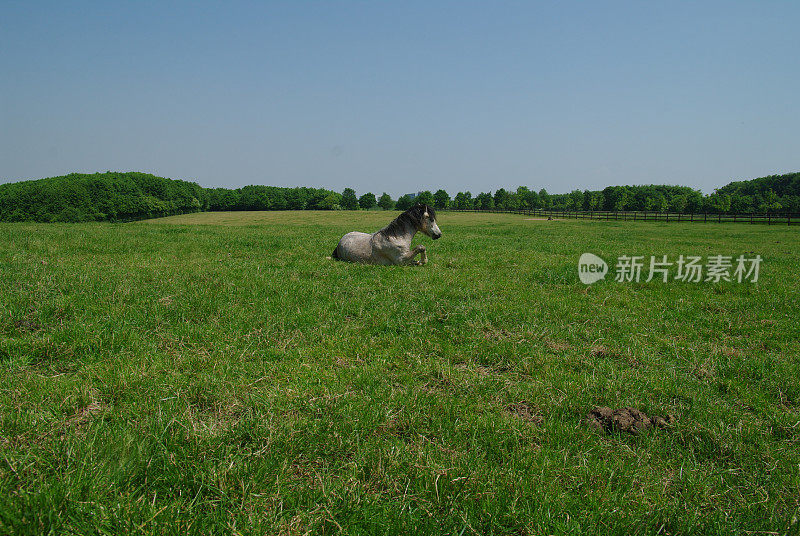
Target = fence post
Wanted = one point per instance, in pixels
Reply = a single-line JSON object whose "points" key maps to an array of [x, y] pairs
{"points": [[769, 218]]}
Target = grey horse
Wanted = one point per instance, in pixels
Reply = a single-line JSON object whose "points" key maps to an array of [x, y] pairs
{"points": [[392, 244]]}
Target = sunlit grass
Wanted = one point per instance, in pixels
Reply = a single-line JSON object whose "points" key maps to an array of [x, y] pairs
{"points": [[216, 373]]}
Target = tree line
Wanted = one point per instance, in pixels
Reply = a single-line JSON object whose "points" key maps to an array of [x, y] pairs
{"points": [[773, 194], [128, 196], [98, 197]]}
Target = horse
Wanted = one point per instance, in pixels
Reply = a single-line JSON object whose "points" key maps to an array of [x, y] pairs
{"points": [[392, 244]]}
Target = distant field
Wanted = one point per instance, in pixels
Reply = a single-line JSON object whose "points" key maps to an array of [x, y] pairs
{"points": [[216, 373]]}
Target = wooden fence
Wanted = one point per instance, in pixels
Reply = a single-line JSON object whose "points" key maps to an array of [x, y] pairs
{"points": [[607, 215]]}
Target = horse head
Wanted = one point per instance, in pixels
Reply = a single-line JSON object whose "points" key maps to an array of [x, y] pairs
{"points": [[424, 217]]}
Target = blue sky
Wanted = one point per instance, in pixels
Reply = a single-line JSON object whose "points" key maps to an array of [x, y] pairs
{"points": [[402, 96]]}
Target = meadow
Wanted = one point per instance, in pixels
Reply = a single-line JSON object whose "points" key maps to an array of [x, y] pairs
{"points": [[215, 373]]}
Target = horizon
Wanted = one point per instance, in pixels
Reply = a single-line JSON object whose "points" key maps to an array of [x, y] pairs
{"points": [[403, 98], [432, 190]]}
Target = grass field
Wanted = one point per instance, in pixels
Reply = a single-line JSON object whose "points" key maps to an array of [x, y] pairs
{"points": [[216, 373]]}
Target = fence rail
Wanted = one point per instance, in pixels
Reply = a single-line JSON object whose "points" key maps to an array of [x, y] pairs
{"points": [[607, 215]]}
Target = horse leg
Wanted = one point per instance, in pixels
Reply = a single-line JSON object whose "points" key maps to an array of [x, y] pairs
{"points": [[423, 256], [408, 256]]}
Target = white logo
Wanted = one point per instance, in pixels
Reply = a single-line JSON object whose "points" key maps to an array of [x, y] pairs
{"points": [[629, 268], [591, 268]]}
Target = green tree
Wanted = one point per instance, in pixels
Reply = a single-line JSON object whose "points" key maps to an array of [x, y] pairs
{"points": [[425, 198], [678, 203], [463, 200], [332, 201], [596, 202], [297, 199], [523, 197], [773, 201], [660, 204], [717, 203], [501, 199], [559, 201], [694, 202], [544, 199], [367, 201], [576, 200], [587, 200], [349, 199], [484, 201], [615, 198], [534, 201], [386, 202], [772, 193], [404, 202], [441, 199]]}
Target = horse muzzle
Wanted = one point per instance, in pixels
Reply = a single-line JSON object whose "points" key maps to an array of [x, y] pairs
{"points": [[436, 236]]}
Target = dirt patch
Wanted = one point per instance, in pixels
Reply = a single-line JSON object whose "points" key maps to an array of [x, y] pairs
{"points": [[558, 346], [727, 351], [629, 420], [500, 334], [525, 411], [206, 424], [437, 384], [480, 370], [26, 326], [395, 427], [83, 416], [598, 350]]}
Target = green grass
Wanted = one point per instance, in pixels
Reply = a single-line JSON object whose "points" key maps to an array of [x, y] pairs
{"points": [[215, 373]]}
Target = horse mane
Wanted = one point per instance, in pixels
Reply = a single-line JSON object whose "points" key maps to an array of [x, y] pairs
{"points": [[413, 216]]}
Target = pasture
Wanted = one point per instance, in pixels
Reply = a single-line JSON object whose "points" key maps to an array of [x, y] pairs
{"points": [[216, 373]]}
